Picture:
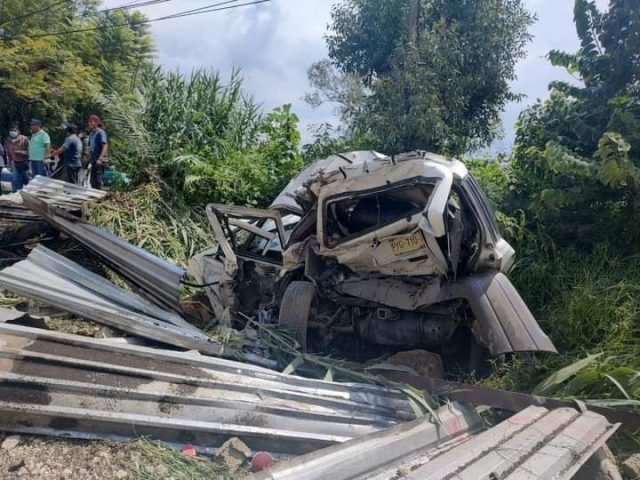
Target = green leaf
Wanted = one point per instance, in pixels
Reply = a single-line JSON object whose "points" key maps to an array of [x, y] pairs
{"points": [[392, 367], [612, 402], [581, 382], [295, 364], [619, 385], [329, 376], [552, 383], [419, 404]]}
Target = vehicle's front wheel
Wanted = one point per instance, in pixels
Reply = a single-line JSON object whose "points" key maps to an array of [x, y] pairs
{"points": [[295, 309]]}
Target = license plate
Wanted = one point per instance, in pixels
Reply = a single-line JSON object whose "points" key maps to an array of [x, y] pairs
{"points": [[404, 245]]}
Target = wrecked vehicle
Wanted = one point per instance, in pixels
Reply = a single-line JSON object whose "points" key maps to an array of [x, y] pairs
{"points": [[402, 252]]}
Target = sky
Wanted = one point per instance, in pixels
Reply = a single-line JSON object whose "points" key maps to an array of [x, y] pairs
{"points": [[274, 43]]}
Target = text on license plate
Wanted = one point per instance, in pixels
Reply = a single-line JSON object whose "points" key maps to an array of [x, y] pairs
{"points": [[404, 245]]}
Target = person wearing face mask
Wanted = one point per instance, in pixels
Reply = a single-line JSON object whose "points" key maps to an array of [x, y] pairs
{"points": [[17, 146]]}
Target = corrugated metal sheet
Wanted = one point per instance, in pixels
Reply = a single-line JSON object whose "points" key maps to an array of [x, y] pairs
{"points": [[67, 385], [151, 277], [535, 444], [61, 194], [54, 280], [365, 456]]}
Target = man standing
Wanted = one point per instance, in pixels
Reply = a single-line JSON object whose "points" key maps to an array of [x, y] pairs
{"points": [[97, 151], [71, 151], [17, 147], [39, 147]]}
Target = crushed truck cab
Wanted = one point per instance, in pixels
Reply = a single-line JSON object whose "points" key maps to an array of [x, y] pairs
{"points": [[400, 251]]}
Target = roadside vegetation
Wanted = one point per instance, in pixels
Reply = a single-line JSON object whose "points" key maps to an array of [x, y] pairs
{"points": [[567, 196]]}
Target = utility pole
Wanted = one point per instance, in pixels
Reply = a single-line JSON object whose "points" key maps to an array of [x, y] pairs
{"points": [[414, 21]]}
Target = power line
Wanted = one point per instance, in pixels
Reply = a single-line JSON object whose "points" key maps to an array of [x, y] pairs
{"points": [[29, 14], [186, 13], [128, 6]]}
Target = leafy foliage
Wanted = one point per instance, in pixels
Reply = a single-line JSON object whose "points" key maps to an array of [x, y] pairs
{"points": [[446, 91], [577, 154], [327, 140], [53, 75], [204, 137]]}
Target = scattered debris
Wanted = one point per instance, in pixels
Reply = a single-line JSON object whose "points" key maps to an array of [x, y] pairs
{"points": [[188, 450], [54, 280], [11, 442], [424, 363], [60, 194], [533, 444], [631, 467], [10, 314], [404, 277], [16, 465], [152, 277], [261, 461], [234, 453]]}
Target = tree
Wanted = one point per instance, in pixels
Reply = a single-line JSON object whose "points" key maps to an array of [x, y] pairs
{"points": [[346, 91], [55, 56], [577, 155], [444, 92]]}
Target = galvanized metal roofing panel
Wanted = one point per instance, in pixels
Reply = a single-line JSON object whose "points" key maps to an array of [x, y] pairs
{"points": [[56, 281], [534, 444], [154, 278], [362, 457], [55, 192], [60, 384]]}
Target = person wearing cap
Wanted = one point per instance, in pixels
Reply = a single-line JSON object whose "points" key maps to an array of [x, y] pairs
{"points": [[71, 152], [17, 146], [39, 147], [97, 151]]}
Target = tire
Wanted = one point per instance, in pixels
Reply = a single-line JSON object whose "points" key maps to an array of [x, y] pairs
{"points": [[295, 310]]}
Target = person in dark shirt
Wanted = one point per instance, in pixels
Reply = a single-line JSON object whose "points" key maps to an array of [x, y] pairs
{"points": [[98, 146], [71, 153]]}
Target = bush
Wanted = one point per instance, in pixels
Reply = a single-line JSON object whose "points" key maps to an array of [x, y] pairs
{"points": [[206, 139]]}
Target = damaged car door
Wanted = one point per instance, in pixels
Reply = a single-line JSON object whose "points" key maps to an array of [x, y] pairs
{"points": [[240, 270]]}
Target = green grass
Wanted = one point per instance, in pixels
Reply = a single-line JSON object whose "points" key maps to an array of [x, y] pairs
{"points": [[162, 462], [587, 304], [151, 219]]}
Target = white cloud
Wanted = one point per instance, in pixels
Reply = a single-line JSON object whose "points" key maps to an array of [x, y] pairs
{"points": [[275, 43]]}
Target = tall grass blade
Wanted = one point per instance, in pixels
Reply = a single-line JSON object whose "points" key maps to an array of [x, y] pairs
{"points": [[553, 382]]}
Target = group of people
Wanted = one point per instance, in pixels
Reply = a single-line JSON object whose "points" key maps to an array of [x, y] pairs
{"points": [[26, 157]]}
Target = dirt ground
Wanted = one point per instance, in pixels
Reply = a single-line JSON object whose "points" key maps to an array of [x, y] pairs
{"points": [[54, 459]]}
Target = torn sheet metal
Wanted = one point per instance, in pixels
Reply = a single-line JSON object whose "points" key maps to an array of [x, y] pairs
{"points": [[66, 385], [151, 277], [534, 444], [54, 280], [10, 314], [61, 194]]}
